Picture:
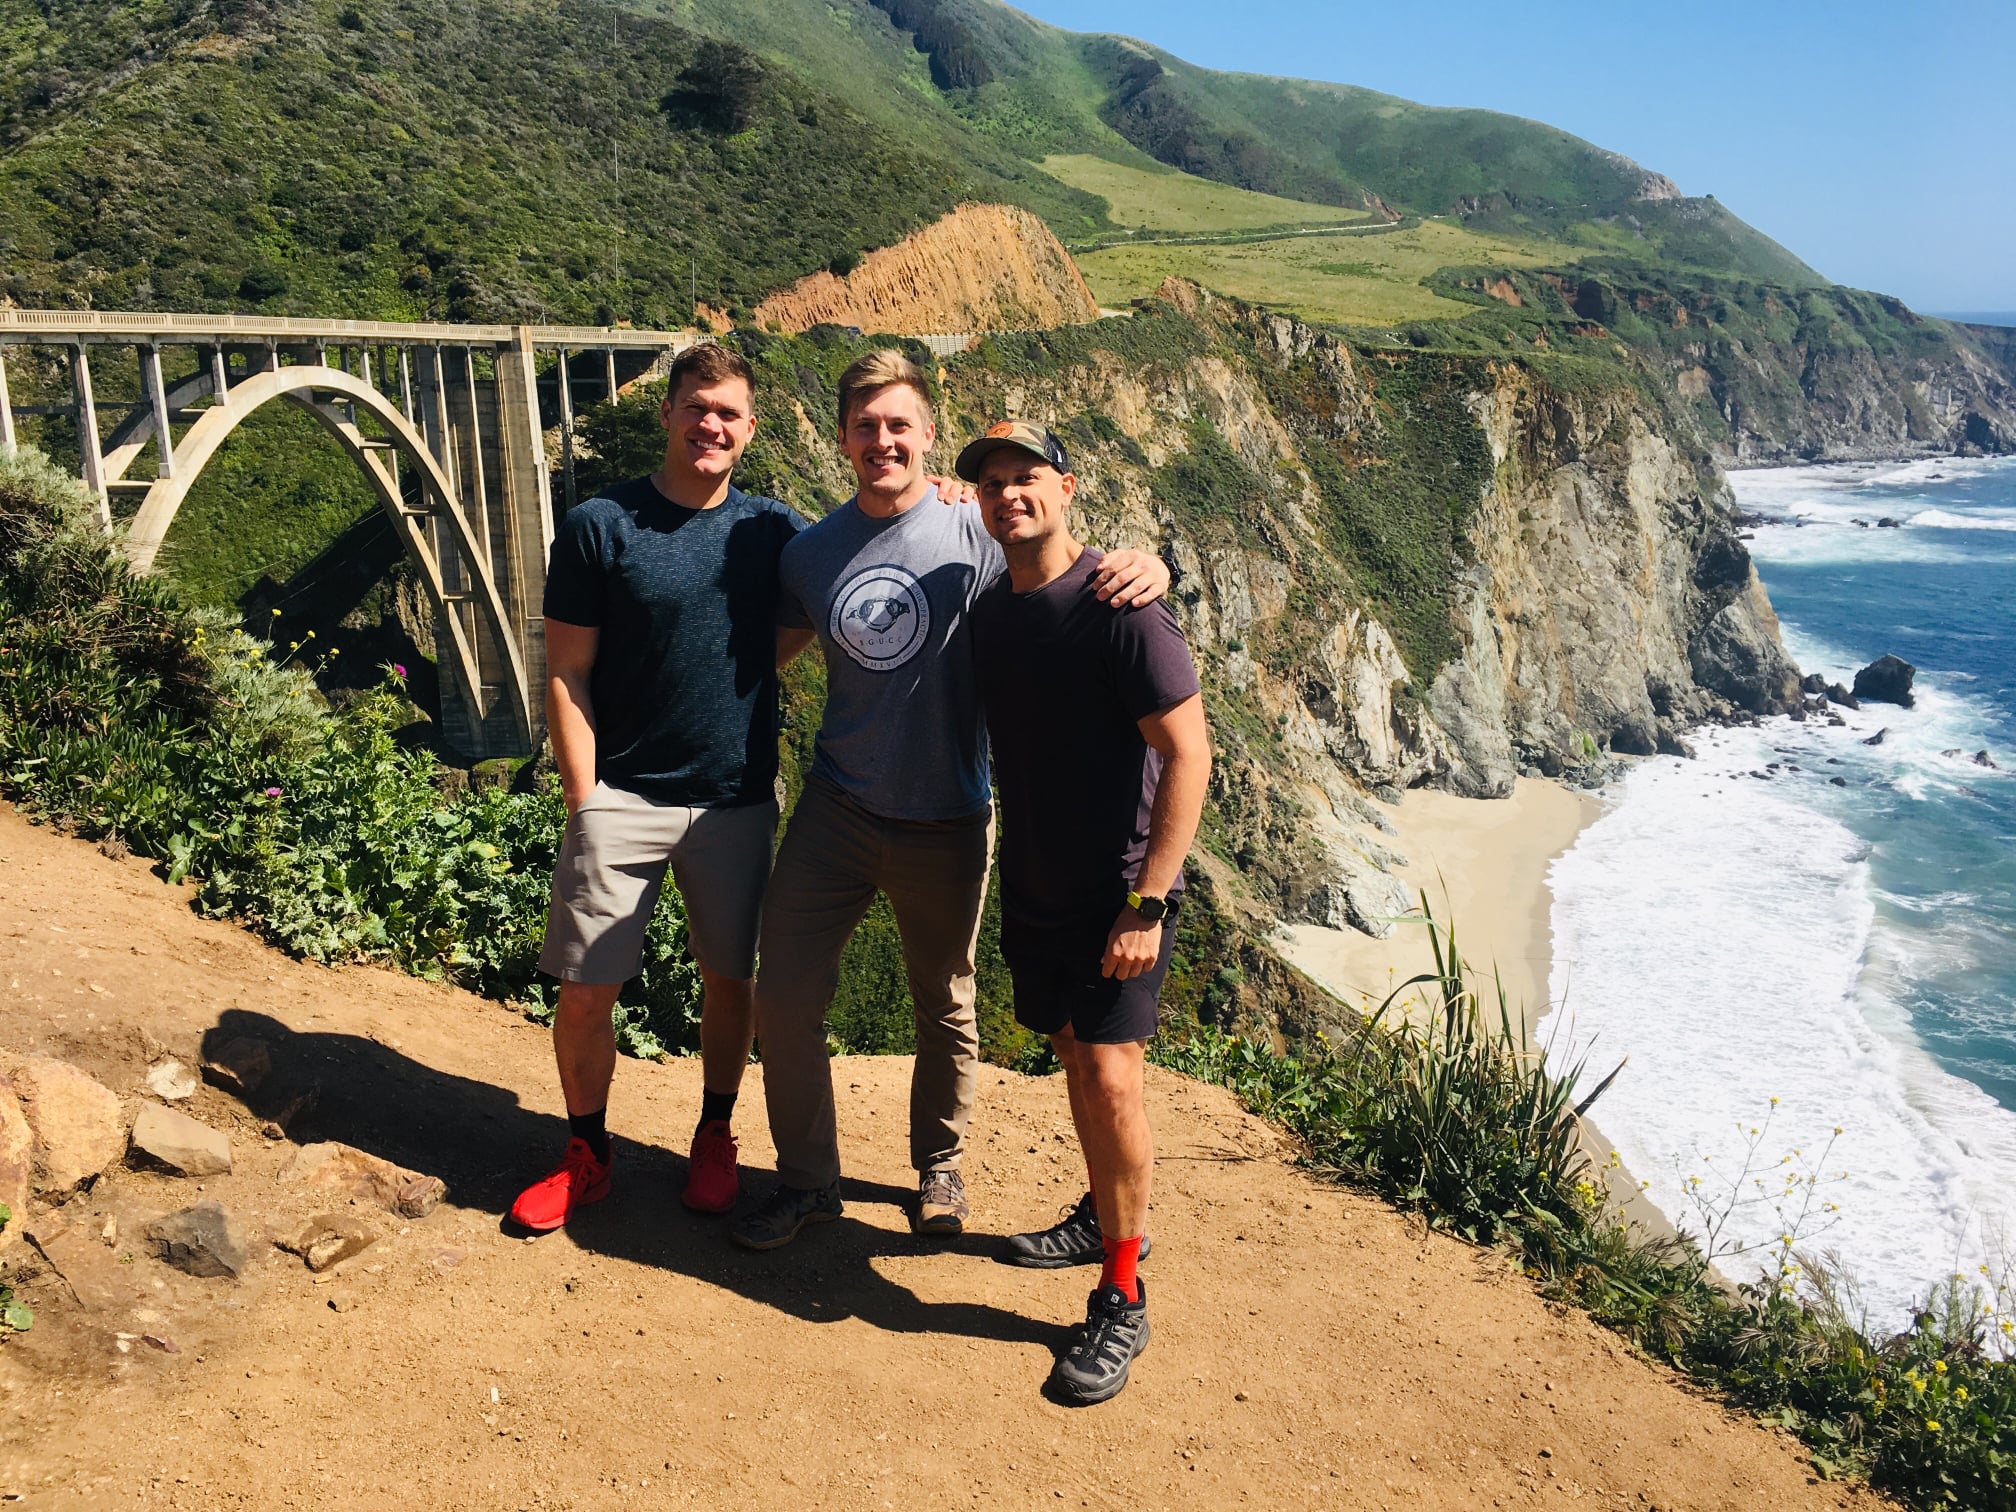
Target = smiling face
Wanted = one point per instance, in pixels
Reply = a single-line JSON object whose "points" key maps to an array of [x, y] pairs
{"points": [[1023, 498], [885, 435], [706, 426]]}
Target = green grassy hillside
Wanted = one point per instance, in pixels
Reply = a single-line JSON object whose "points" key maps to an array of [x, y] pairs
{"points": [[574, 162]]}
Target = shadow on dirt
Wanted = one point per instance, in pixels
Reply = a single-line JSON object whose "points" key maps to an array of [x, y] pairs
{"points": [[485, 1145]]}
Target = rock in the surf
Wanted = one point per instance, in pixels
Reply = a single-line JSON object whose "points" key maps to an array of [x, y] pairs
{"points": [[1886, 680], [1983, 759], [1878, 737], [1840, 695]]}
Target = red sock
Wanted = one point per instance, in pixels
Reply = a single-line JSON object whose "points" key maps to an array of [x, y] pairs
{"points": [[1122, 1255]]}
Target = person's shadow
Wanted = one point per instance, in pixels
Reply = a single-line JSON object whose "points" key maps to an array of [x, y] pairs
{"points": [[477, 1138]]}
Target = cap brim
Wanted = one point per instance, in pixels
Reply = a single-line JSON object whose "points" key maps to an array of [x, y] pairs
{"points": [[977, 452]]}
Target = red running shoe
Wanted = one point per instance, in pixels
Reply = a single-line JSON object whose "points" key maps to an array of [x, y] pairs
{"points": [[581, 1179], [712, 1184]]}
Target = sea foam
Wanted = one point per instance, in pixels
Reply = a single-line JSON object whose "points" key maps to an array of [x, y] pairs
{"points": [[1723, 934]]}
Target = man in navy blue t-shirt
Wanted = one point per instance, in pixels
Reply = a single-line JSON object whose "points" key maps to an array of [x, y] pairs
{"points": [[1101, 755], [661, 701]]}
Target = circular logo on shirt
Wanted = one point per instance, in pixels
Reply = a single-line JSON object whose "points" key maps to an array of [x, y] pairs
{"points": [[882, 617]]}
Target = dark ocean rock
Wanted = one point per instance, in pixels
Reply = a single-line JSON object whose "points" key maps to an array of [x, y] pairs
{"points": [[1838, 781], [1635, 736], [1877, 738], [1840, 695], [1886, 680], [1887, 523], [1983, 759], [1812, 682]]}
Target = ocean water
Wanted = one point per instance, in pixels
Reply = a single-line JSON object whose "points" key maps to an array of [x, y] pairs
{"points": [[1744, 927]]}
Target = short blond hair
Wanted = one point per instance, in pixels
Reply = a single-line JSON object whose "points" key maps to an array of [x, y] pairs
{"points": [[887, 368]]}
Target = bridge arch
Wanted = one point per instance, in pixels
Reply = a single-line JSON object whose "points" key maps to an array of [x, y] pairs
{"points": [[315, 388]]}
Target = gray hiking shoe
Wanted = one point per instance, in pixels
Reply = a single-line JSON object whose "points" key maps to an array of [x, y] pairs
{"points": [[1075, 1241], [941, 1203], [777, 1219], [1094, 1367]]}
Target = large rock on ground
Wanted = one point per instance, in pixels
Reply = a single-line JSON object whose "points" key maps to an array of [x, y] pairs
{"points": [[17, 1165], [337, 1167], [77, 1123], [200, 1240], [1886, 680], [175, 1139]]}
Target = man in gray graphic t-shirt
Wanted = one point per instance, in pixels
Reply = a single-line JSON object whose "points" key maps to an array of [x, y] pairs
{"points": [[902, 734], [897, 800]]}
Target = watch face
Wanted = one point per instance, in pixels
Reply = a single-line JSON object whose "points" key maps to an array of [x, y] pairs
{"points": [[1152, 909]]}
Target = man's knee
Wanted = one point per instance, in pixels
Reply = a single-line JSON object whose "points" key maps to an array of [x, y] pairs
{"points": [[1109, 1076], [583, 1003]]}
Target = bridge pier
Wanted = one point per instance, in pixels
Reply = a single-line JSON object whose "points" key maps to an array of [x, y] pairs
{"points": [[458, 461]]}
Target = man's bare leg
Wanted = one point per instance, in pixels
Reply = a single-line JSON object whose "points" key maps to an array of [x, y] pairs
{"points": [[584, 1044], [1107, 1087], [727, 1030]]}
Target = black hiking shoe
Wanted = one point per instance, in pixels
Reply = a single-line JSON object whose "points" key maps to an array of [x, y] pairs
{"points": [[1094, 1367], [777, 1219], [942, 1209], [1075, 1241]]}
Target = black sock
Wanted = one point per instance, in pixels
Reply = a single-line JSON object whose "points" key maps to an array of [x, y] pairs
{"points": [[716, 1107], [592, 1128]]}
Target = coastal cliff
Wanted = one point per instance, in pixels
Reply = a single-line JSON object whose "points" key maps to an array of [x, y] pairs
{"points": [[1397, 568]]}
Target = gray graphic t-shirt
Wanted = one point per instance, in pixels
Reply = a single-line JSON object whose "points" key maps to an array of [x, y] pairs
{"points": [[891, 600]]}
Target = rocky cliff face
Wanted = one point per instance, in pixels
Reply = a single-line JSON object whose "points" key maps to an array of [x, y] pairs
{"points": [[981, 268], [1569, 583]]}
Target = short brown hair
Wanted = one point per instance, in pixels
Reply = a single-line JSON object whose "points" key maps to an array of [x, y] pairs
{"points": [[887, 368], [708, 362]]}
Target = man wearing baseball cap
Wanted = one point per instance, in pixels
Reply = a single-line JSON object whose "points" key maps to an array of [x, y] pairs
{"points": [[1101, 758]]}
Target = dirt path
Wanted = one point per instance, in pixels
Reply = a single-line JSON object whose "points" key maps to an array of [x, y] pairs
{"points": [[1311, 1347]]}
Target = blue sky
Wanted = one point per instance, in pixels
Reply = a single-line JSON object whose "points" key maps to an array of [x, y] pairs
{"points": [[1877, 141]]}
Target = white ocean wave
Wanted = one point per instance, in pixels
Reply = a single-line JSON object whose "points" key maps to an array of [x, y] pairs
{"points": [[1940, 519], [1723, 931]]}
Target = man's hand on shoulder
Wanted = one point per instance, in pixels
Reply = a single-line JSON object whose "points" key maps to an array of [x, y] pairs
{"points": [[1130, 577], [953, 490]]}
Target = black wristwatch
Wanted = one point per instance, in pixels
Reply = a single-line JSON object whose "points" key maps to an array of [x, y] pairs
{"points": [[1154, 910]]}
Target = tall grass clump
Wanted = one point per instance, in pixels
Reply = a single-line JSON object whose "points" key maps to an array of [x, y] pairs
{"points": [[126, 715], [1437, 1101]]}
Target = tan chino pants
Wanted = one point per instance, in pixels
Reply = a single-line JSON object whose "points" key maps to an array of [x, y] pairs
{"points": [[835, 856]]}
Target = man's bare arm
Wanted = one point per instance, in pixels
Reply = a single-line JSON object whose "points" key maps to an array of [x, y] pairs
{"points": [[570, 714], [1130, 577], [1184, 739], [790, 642]]}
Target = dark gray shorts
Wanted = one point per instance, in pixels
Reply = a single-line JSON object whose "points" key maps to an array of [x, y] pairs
{"points": [[612, 867], [1057, 981]]}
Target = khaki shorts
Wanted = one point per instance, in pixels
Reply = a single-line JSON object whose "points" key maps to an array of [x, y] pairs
{"points": [[612, 867]]}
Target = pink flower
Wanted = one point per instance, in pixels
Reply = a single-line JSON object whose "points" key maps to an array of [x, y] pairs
{"points": [[398, 671], [272, 792]]}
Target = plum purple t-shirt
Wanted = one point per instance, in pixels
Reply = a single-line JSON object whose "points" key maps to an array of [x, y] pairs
{"points": [[1065, 681]]}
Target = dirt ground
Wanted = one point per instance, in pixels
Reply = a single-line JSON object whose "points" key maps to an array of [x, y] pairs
{"points": [[1311, 1348]]}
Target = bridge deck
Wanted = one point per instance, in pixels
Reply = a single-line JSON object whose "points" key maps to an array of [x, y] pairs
{"points": [[66, 327]]}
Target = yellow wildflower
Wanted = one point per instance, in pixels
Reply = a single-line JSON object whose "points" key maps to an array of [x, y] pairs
{"points": [[1931, 1425], [1938, 1367]]}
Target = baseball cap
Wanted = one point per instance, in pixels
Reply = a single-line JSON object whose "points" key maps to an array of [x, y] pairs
{"points": [[1019, 434]]}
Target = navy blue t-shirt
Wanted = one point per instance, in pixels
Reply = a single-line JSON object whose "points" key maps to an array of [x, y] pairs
{"points": [[1066, 681], [685, 681]]}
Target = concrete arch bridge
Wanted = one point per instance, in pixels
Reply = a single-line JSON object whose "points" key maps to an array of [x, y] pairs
{"points": [[448, 424]]}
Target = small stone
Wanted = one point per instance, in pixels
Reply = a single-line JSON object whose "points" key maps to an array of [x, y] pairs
{"points": [[1238, 1396], [271, 1130], [342, 1302], [77, 1123], [166, 1346], [1546, 1454], [198, 1240], [110, 1233], [328, 1239], [340, 1168], [171, 1081], [240, 1065], [177, 1140]]}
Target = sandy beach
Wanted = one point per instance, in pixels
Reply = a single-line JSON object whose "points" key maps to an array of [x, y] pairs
{"points": [[1483, 864]]}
